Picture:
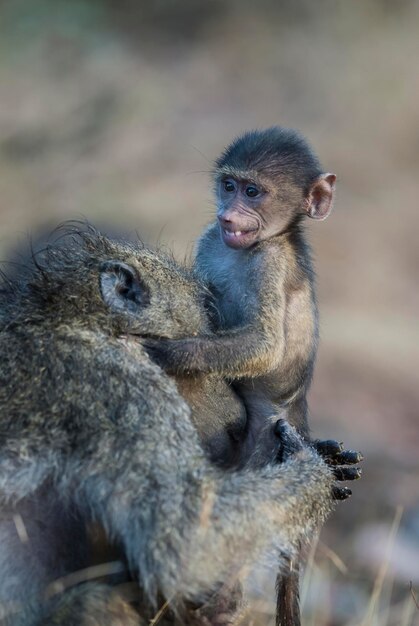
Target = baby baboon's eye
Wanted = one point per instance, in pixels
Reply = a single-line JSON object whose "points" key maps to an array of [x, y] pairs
{"points": [[252, 191], [228, 186]]}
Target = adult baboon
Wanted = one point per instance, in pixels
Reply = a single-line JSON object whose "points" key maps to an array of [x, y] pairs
{"points": [[91, 430]]}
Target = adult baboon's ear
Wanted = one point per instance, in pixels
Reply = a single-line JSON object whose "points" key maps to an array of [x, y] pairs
{"points": [[121, 288], [319, 200]]}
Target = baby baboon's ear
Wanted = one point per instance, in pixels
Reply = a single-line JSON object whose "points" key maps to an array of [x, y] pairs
{"points": [[319, 200], [121, 288]]}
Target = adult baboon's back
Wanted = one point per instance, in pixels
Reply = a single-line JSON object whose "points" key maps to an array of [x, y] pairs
{"points": [[92, 430]]}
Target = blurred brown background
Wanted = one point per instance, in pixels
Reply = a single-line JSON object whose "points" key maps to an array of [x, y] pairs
{"points": [[114, 110]]}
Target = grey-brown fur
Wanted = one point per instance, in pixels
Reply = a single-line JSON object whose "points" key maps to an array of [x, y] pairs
{"points": [[92, 431]]}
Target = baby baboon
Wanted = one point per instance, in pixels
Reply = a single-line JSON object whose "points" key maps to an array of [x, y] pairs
{"points": [[257, 265], [92, 431]]}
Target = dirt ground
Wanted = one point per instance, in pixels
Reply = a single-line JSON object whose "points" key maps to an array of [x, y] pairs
{"points": [[114, 111]]}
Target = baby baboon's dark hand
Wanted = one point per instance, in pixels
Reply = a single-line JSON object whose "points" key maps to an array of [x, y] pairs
{"points": [[347, 473], [334, 455], [333, 452], [341, 493], [346, 457], [328, 448], [159, 351], [290, 441], [175, 356]]}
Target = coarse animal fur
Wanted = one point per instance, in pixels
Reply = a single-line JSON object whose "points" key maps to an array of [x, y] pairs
{"points": [[92, 431]]}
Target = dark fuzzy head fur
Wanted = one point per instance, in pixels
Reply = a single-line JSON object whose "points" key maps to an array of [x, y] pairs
{"points": [[272, 153]]}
